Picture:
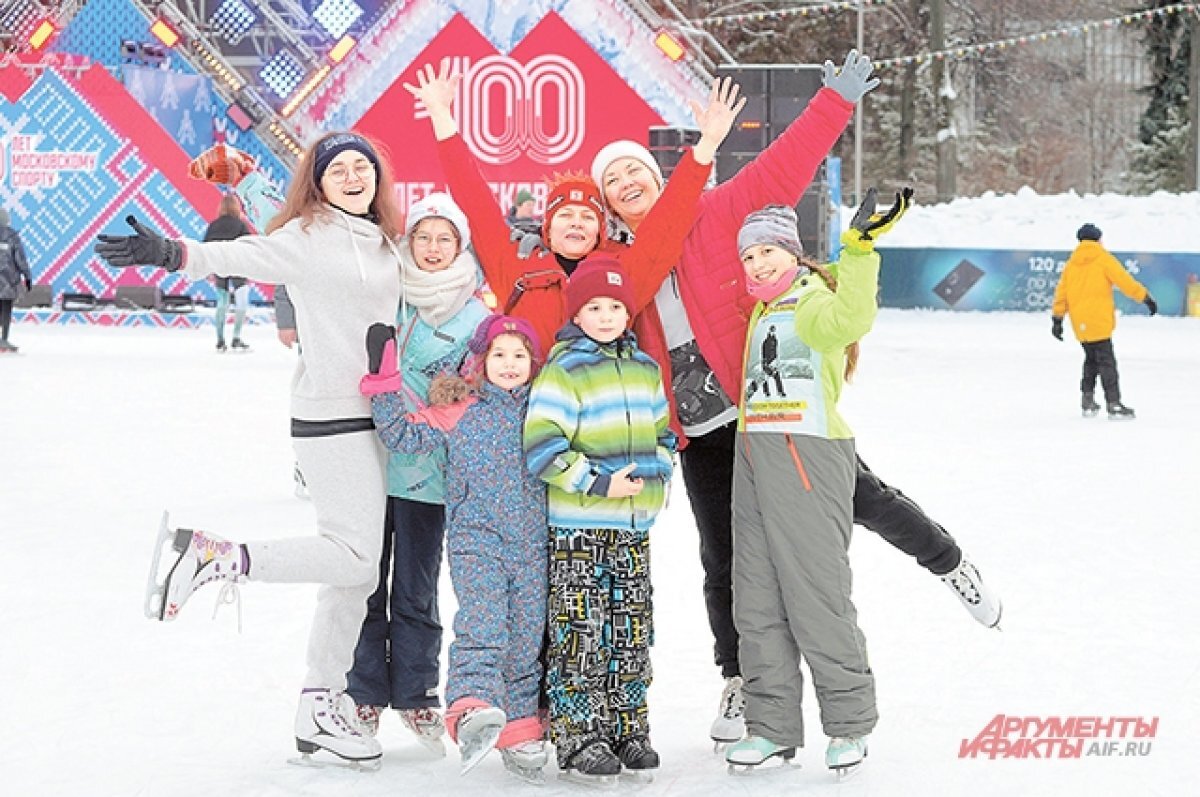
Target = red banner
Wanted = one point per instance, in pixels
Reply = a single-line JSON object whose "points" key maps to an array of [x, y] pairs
{"points": [[547, 106]]}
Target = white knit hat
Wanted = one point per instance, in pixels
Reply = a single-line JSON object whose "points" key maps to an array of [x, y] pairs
{"points": [[439, 205], [623, 148]]}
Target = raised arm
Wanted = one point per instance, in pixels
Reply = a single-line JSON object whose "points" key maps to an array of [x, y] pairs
{"points": [[784, 170], [659, 243], [489, 230], [401, 431]]}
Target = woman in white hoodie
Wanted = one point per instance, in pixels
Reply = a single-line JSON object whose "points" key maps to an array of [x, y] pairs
{"points": [[333, 244]]}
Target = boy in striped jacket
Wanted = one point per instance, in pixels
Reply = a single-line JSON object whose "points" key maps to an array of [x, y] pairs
{"points": [[597, 433]]}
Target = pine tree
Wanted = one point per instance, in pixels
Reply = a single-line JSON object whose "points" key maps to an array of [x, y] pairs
{"points": [[1160, 158]]}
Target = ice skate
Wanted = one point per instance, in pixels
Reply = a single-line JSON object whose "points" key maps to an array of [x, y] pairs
{"points": [[983, 604], [426, 724], [327, 721], [221, 347], [1119, 412], [594, 765], [730, 724], [9, 348], [478, 731], [238, 346], [753, 751], [844, 754], [202, 558], [527, 760], [1090, 407], [639, 759], [368, 719]]}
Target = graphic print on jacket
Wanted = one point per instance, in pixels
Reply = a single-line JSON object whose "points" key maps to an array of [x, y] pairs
{"points": [[782, 391]]}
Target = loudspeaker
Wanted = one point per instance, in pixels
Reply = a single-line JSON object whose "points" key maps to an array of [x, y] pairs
{"points": [[775, 95], [78, 302], [177, 304], [37, 296], [137, 297], [668, 143]]}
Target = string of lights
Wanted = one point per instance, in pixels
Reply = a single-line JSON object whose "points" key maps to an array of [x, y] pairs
{"points": [[958, 51], [1080, 29], [802, 11]]}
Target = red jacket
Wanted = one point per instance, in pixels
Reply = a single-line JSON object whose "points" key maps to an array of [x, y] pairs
{"points": [[543, 303], [711, 277]]}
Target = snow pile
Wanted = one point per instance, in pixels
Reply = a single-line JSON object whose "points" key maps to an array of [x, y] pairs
{"points": [[1160, 222]]}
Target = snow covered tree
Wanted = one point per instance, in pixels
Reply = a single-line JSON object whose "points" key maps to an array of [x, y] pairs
{"points": [[1161, 157]]}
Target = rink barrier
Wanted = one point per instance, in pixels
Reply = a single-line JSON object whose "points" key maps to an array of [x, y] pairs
{"points": [[1019, 279], [112, 317]]}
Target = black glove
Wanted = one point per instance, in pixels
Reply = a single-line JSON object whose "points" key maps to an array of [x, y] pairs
{"points": [[378, 336], [1150, 303], [1056, 326], [873, 224], [147, 248], [29, 284]]}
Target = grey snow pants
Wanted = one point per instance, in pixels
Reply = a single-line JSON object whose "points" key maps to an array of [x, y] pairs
{"points": [[792, 517]]}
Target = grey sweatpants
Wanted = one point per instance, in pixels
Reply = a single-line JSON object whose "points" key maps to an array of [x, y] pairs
{"points": [[792, 516], [345, 476]]}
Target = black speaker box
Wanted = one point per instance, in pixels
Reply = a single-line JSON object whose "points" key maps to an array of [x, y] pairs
{"points": [[137, 297]]}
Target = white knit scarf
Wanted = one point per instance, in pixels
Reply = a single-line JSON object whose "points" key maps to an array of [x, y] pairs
{"points": [[439, 295]]}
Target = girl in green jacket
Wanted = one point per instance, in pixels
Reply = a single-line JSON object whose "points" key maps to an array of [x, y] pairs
{"points": [[793, 489]]}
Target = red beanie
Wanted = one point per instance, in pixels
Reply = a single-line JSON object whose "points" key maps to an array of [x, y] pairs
{"points": [[572, 188], [600, 274]]}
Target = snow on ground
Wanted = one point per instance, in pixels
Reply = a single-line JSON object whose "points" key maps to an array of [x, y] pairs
{"points": [[1088, 528]]}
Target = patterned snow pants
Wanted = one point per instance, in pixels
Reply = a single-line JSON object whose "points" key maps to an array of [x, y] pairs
{"points": [[601, 629]]}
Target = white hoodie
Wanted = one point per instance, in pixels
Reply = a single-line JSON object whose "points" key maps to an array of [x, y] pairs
{"points": [[342, 276]]}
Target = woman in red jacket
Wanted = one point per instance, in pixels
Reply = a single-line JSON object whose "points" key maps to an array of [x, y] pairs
{"points": [[531, 284], [698, 322]]}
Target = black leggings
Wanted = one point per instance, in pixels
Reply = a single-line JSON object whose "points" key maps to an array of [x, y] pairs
{"points": [[707, 464]]}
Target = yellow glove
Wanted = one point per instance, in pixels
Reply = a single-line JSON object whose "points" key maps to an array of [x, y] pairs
{"points": [[867, 225]]}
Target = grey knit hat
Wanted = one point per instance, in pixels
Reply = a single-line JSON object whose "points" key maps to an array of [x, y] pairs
{"points": [[4, 220], [774, 224], [1088, 232]]}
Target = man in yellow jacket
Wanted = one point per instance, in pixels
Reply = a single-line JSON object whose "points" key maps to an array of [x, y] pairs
{"points": [[1085, 291]]}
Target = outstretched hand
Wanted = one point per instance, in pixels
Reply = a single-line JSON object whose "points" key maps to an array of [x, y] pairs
{"points": [[145, 248], [715, 120], [436, 89], [853, 80]]}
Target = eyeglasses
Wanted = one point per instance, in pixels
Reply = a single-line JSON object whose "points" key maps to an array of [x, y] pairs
{"points": [[340, 174], [425, 240]]}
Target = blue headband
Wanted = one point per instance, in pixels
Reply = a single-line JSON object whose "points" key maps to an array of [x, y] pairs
{"points": [[335, 145]]}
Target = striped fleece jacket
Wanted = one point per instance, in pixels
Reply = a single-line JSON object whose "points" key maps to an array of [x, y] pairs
{"points": [[594, 409]]}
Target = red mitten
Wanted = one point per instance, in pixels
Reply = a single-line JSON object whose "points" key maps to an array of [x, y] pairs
{"points": [[222, 164], [374, 384], [444, 416], [383, 374]]}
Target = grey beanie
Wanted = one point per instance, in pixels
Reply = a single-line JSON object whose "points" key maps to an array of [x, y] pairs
{"points": [[1088, 232], [774, 224], [4, 220]]}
